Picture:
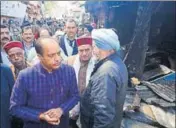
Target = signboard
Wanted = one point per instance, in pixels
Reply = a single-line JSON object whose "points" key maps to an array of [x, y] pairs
{"points": [[13, 9]]}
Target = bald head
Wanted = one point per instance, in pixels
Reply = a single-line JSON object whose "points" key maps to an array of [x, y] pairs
{"points": [[43, 43]]}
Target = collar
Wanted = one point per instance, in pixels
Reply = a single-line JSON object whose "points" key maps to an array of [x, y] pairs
{"points": [[44, 71], [16, 70], [68, 38], [31, 45], [99, 63], [82, 64]]}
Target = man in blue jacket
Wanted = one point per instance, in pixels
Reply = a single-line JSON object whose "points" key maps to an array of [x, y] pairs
{"points": [[44, 94]]}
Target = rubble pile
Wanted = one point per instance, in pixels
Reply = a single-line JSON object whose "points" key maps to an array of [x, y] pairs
{"points": [[151, 104]]}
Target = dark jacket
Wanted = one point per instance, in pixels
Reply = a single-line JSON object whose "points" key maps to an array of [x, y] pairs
{"points": [[62, 45], [102, 102], [7, 82]]}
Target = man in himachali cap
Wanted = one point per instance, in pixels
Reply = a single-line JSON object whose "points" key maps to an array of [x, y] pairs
{"points": [[83, 65], [84, 40], [15, 52], [12, 44]]}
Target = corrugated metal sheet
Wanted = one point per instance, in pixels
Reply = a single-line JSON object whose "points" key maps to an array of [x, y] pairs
{"points": [[159, 94], [164, 91], [163, 87]]}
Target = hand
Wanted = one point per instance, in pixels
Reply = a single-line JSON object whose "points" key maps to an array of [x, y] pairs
{"points": [[52, 121], [54, 113]]}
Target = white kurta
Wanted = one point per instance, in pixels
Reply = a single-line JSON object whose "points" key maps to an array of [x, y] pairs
{"points": [[76, 65]]}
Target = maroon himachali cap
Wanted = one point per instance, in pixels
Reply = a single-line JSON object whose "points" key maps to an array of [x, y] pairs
{"points": [[12, 44], [84, 40]]}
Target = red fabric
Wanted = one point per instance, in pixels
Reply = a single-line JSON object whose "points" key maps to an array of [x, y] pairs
{"points": [[36, 36], [13, 44], [84, 40]]}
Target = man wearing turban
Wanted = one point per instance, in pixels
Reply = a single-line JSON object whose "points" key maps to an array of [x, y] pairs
{"points": [[103, 99]]}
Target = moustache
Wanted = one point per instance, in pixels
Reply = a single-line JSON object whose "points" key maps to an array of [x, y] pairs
{"points": [[5, 38]]}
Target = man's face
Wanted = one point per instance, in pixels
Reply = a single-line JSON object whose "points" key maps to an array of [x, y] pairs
{"points": [[96, 52], [85, 52], [80, 32], [27, 35], [15, 31], [86, 32], [71, 29], [51, 58], [55, 23], [5, 36], [16, 56]]}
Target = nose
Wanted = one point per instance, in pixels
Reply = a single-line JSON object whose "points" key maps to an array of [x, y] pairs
{"points": [[84, 52], [16, 57], [57, 58]]}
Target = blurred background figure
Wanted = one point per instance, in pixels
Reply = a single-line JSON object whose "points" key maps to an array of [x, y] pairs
{"points": [[59, 33], [32, 56], [88, 29], [27, 39], [80, 31], [7, 82], [5, 38]]}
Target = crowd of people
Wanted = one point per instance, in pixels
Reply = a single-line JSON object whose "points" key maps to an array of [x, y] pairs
{"points": [[62, 76]]}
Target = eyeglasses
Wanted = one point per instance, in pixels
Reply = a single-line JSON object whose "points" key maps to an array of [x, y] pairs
{"points": [[18, 54]]}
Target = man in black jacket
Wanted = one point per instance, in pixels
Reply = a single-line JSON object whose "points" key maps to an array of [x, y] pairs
{"points": [[102, 102]]}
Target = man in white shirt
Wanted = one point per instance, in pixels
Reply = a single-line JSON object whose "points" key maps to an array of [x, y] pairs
{"points": [[67, 41], [27, 39]]}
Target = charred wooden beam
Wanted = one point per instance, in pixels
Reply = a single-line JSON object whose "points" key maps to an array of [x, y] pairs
{"points": [[136, 55]]}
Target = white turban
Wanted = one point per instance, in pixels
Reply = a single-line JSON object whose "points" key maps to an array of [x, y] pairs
{"points": [[106, 39]]}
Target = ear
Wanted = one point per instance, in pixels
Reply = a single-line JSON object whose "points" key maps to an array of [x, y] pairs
{"points": [[9, 58], [22, 35], [65, 27], [40, 57]]}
